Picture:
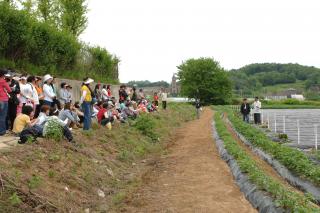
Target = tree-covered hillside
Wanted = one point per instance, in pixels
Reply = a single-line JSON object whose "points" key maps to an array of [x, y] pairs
{"points": [[42, 36], [148, 84], [255, 77]]}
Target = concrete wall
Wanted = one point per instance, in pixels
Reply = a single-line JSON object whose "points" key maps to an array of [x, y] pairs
{"points": [[76, 87]]}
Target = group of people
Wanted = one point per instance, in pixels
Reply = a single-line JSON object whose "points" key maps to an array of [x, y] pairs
{"points": [[31, 105], [245, 110]]}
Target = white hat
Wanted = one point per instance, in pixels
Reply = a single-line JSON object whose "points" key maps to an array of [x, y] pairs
{"points": [[47, 77], [16, 78], [23, 78], [88, 81]]}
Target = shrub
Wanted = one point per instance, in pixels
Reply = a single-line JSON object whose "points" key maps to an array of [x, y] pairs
{"points": [[53, 131], [146, 125]]}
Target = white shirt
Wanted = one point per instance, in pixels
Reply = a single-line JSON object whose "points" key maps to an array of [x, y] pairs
{"points": [[24, 98], [257, 107], [29, 93], [164, 96], [48, 93], [104, 94]]}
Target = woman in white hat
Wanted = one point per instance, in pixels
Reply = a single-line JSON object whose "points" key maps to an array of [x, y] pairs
{"points": [[86, 101], [48, 92]]}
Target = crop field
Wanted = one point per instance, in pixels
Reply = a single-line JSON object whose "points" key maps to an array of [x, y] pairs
{"points": [[301, 125]]}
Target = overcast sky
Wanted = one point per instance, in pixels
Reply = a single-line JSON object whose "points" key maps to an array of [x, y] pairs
{"points": [[153, 37]]}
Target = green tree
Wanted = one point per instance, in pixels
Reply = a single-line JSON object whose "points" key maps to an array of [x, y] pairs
{"points": [[49, 11], [73, 16], [206, 80]]}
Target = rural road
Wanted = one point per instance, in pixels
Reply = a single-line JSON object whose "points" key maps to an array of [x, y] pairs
{"points": [[191, 177]]}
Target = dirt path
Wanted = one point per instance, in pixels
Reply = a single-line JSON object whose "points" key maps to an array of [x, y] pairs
{"points": [[191, 178]]}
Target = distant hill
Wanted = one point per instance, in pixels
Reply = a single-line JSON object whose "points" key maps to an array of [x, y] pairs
{"points": [[147, 83], [259, 77]]}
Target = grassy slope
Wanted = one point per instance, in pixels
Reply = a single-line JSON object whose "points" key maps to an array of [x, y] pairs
{"points": [[51, 176]]}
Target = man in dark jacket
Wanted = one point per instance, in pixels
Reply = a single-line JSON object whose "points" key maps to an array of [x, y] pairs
{"points": [[245, 110]]}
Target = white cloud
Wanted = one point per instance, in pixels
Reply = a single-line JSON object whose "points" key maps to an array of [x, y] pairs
{"points": [[153, 37]]}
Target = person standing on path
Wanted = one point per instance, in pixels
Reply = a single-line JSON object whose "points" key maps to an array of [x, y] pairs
{"points": [[164, 97], [4, 98], [245, 110], [257, 111], [86, 102], [198, 108]]}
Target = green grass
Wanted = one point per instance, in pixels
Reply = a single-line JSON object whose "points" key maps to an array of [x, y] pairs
{"points": [[285, 198], [47, 168]]}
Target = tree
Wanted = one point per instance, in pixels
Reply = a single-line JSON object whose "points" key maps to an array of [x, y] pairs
{"points": [[73, 16], [206, 80], [49, 11]]}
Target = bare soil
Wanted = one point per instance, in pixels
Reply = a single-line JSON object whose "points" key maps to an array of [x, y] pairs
{"points": [[190, 178]]}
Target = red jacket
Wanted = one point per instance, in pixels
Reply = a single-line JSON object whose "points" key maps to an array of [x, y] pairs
{"points": [[4, 90], [100, 114]]}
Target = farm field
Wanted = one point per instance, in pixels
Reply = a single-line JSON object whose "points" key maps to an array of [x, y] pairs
{"points": [[290, 120]]}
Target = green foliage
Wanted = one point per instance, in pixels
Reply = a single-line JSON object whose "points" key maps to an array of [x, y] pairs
{"points": [[255, 76], [283, 136], [34, 182], [296, 161], [283, 196], [146, 125], [73, 17], [53, 131], [206, 80], [39, 46], [51, 174], [15, 199], [163, 84]]}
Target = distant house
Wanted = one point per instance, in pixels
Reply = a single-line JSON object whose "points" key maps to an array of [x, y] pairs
{"points": [[298, 97]]}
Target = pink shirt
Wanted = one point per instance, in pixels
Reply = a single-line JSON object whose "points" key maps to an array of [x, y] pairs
{"points": [[4, 89]]}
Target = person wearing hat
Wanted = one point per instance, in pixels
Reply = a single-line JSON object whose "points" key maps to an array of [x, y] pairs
{"points": [[13, 100], [86, 101], [48, 92], [4, 98]]}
